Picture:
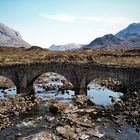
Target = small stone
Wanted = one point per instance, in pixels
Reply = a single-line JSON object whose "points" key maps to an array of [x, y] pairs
{"points": [[84, 136], [118, 131]]}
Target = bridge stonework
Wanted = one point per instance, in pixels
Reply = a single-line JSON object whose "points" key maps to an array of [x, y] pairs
{"points": [[80, 74]]}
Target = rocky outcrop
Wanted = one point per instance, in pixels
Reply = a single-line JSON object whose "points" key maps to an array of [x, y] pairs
{"points": [[58, 107], [82, 100], [13, 106]]}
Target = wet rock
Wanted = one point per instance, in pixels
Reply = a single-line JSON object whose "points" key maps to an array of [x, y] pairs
{"points": [[95, 132], [44, 135], [78, 120], [83, 137], [81, 111], [13, 106], [18, 135], [49, 119], [66, 131], [58, 106], [82, 100], [118, 131]]}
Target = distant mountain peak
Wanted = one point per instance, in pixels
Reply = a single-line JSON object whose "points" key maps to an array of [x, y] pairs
{"points": [[108, 39], [70, 46], [126, 38], [130, 30], [134, 24], [5, 30], [11, 38]]}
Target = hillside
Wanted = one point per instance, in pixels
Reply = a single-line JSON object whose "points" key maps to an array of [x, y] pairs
{"points": [[11, 38], [132, 30], [9, 55]]}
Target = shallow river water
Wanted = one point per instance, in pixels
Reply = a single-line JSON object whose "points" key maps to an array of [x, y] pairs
{"points": [[97, 94]]}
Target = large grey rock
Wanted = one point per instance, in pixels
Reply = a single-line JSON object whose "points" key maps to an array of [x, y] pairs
{"points": [[11, 38]]}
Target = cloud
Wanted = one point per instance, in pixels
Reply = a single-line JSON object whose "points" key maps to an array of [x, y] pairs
{"points": [[59, 17], [92, 18], [114, 20]]}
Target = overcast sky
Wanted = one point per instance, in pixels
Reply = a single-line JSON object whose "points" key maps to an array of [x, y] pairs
{"points": [[47, 22]]}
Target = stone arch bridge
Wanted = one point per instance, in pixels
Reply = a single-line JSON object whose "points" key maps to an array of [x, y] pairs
{"points": [[80, 74]]}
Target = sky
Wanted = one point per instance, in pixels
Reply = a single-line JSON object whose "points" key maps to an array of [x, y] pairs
{"points": [[47, 22]]}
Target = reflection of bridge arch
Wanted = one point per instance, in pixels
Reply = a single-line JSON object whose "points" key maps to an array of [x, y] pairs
{"points": [[79, 74]]}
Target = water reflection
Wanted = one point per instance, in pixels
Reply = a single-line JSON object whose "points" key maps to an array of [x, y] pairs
{"points": [[99, 95], [6, 92], [54, 94]]}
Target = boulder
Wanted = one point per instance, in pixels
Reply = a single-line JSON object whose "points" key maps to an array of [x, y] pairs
{"points": [[66, 131], [82, 100], [43, 135], [58, 106]]}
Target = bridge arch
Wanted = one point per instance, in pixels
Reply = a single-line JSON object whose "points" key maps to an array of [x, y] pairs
{"points": [[7, 87], [109, 83], [34, 76], [52, 81], [108, 72], [6, 82]]}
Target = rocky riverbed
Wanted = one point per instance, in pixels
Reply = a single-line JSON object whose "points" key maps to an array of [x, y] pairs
{"points": [[53, 81], [25, 117]]}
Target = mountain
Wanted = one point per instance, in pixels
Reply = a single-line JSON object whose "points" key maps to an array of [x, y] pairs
{"points": [[108, 39], [132, 30], [71, 46], [105, 42], [11, 38], [125, 39]]}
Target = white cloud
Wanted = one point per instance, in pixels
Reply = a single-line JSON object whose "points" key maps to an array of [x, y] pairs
{"points": [[59, 17], [92, 18], [119, 20], [114, 20]]}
